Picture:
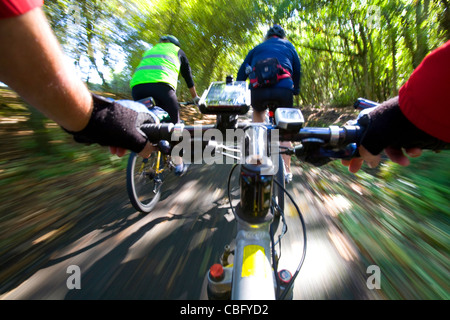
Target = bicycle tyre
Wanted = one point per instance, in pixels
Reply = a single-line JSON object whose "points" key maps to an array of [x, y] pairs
{"points": [[143, 183]]}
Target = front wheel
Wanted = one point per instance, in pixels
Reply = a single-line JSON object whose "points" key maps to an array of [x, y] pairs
{"points": [[144, 181]]}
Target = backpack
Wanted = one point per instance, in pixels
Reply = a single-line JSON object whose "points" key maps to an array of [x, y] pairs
{"points": [[267, 72]]}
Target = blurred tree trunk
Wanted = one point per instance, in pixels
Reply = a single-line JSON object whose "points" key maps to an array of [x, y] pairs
{"points": [[418, 45], [421, 32], [91, 13]]}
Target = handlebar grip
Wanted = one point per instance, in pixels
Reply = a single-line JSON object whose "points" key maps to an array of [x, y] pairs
{"points": [[350, 151], [157, 132], [353, 133]]}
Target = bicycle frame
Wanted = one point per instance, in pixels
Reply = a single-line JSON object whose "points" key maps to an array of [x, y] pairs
{"points": [[253, 277], [253, 257], [253, 274], [158, 163]]}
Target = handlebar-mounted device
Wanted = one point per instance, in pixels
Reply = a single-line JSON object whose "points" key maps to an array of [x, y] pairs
{"points": [[289, 119], [226, 98]]}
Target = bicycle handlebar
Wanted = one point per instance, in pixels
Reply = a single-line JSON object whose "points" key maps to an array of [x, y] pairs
{"points": [[332, 135], [326, 142]]}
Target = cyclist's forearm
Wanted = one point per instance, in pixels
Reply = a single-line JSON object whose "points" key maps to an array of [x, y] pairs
{"points": [[32, 64], [193, 92]]}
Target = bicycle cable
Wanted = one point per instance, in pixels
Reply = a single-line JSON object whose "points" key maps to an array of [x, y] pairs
{"points": [[302, 221], [229, 188], [302, 260]]}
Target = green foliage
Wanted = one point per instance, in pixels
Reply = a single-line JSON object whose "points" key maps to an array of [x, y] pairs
{"points": [[400, 221], [360, 48], [347, 48]]}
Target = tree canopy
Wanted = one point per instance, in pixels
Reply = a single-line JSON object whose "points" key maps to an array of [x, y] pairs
{"points": [[347, 49]]}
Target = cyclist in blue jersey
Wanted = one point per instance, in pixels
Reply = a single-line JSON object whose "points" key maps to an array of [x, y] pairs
{"points": [[274, 70]]}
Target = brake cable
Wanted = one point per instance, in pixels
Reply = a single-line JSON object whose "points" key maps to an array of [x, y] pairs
{"points": [[302, 260], [302, 221]]}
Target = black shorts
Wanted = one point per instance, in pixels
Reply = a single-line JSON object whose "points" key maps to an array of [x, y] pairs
{"points": [[164, 95], [280, 97]]}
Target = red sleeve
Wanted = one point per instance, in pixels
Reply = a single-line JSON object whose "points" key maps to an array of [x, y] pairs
{"points": [[12, 8], [425, 98]]}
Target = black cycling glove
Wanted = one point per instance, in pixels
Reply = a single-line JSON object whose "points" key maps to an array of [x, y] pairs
{"points": [[387, 126], [116, 123]]}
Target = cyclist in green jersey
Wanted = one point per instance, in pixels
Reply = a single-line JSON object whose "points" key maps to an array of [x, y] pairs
{"points": [[157, 76]]}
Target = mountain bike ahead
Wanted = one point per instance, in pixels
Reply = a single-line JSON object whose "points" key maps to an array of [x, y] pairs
{"points": [[146, 176], [253, 273]]}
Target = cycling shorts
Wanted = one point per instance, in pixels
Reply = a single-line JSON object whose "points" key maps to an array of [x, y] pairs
{"points": [[262, 97]]}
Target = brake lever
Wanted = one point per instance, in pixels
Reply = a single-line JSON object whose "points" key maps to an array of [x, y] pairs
{"points": [[349, 152]]}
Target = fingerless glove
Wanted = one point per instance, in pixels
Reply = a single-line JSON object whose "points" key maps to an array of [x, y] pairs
{"points": [[387, 126], [116, 123]]}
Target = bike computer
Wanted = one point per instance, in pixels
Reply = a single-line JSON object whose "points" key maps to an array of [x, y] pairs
{"points": [[289, 119], [225, 98]]}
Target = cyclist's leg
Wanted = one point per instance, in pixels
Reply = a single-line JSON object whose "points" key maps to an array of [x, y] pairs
{"points": [[164, 95], [259, 98], [141, 91], [170, 104], [165, 98], [287, 101]]}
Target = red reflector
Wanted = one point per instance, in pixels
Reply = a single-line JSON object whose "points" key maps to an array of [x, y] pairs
{"points": [[216, 272]]}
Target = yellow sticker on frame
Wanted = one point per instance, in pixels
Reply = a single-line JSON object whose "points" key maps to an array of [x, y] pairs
{"points": [[254, 262]]}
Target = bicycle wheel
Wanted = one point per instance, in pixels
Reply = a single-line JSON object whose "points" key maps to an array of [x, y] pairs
{"points": [[143, 181], [278, 194]]}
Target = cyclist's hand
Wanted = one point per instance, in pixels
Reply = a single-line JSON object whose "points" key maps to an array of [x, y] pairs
{"points": [[196, 100], [389, 130], [395, 154], [116, 124]]}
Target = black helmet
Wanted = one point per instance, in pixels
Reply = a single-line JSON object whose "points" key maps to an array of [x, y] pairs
{"points": [[170, 38], [276, 30]]}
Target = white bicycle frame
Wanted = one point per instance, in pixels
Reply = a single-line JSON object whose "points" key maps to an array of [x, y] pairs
{"points": [[253, 277]]}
